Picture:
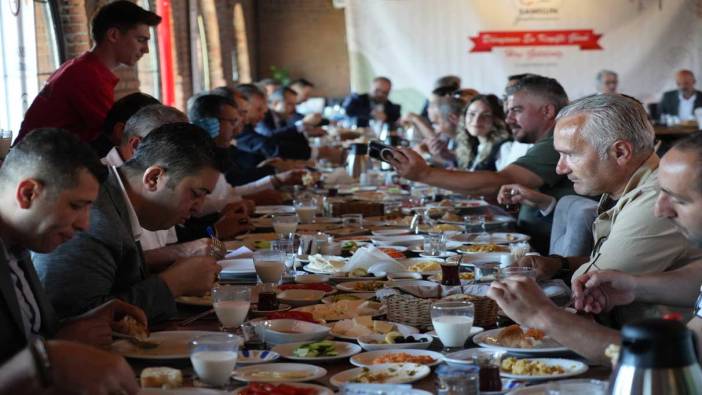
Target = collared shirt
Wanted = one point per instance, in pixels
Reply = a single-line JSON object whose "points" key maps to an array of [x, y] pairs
{"points": [[686, 107], [31, 314], [628, 237], [150, 240]]}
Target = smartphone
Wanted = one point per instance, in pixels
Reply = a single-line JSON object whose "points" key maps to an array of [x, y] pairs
{"points": [[380, 151]]}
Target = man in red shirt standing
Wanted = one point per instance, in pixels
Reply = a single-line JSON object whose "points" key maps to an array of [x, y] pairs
{"points": [[79, 94]]}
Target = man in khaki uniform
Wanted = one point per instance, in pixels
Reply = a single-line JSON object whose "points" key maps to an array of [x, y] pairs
{"points": [[605, 144]]}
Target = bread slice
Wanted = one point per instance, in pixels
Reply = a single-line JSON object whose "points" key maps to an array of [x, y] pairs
{"points": [[130, 326], [511, 336], [161, 377]]}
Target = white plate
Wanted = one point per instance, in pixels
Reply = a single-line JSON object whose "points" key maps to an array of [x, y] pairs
{"points": [[405, 276], [493, 238], [465, 357], [172, 345], [311, 372], [446, 254], [311, 279], [366, 358], [376, 343], [301, 297], [542, 389], [348, 286], [274, 209], [181, 391], [313, 270], [343, 349], [450, 245], [250, 357], [320, 390], [391, 232], [359, 295], [571, 367], [401, 328], [495, 220], [402, 373], [462, 203], [344, 276], [488, 339], [473, 331], [259, 313], [348, 314]]}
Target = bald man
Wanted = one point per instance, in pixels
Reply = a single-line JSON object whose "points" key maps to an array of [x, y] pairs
{"points": [[684, 100]]}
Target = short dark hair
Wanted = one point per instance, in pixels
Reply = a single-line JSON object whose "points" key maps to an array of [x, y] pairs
{"points": [[54, 157], [249, 90], [381, 78], [279, 94], [149, 118], [693, 143], [302, 82], [121, 14], [208, 106], [517, 77], [124, 108], [183, 149], [452, 82], [224, 91], [547, 88]]}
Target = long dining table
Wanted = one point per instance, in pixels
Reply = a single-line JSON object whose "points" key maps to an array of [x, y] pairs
{"points": [[210, 323]]}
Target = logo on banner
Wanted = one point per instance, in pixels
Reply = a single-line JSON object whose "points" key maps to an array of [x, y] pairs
{"points": [[585, 39]]}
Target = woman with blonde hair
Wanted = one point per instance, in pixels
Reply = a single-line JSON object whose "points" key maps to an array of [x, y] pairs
{"points": [[483, 132]]}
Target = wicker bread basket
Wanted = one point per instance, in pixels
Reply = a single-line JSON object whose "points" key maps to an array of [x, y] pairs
{"points": [[410, 310]]}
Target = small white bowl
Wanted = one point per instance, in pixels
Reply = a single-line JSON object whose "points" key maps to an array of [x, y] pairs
{"points": [[376, 342], [250, 357], [301, 297], [311, 278], [290, 331]]}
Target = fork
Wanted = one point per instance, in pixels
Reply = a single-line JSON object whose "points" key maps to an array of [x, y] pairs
{"points": [[219, 251]]}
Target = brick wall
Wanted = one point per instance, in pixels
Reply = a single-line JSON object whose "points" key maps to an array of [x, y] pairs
{"points": [[306, 37]]}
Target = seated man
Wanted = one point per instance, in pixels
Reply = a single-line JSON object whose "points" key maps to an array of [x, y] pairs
{"points": [[607, 81], [79, 94], [287, 144], [443, 86], [533, 105], [375, 105], [683, 101], [281, 116], [606, 147], [221, 118], [680, 200], [113, 127], [47, 184], [441, 143], [166, 181]]}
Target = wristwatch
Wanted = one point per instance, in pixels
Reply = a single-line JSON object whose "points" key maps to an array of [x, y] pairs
{"points": [[698, 305], [37, 346]]}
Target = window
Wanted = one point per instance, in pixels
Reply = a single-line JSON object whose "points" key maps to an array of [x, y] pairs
{"points": [[200, 61], [148, 68], [29, 52], [241, 63]]}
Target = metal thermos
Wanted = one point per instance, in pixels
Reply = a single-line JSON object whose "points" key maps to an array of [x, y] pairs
{"points": [[657, 357], [358, 161]]}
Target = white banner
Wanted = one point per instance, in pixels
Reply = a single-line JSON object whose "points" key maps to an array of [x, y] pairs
{"points": [[483, 41]]}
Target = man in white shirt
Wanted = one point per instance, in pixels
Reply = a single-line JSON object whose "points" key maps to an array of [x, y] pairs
{"points": [[683, 101]]}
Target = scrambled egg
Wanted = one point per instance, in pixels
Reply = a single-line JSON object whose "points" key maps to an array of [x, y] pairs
{"points": [[528, 367], [422, 267]]}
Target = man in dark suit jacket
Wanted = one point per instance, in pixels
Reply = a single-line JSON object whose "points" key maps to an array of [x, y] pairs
{"points": [[166, 181], [374, 105], [671, 101], [47, 184]]}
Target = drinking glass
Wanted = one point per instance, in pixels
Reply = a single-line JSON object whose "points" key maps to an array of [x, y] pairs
{"points": [[214, 357], [352, 220], [269, 265], [231, 304], [434, 244], [285, 225], [452, 322], [287, 247], [512, 271], [306, 209], [473, 221]]}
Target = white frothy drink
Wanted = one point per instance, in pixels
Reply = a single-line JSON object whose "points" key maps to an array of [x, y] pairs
{"points": [[306, 214], [453, 330], [214, 367], [285, 228], [231, 313], [269, 271]]}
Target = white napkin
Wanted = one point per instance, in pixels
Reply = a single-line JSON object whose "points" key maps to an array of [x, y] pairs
{"points": [[241, 252], [374, 261]]}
